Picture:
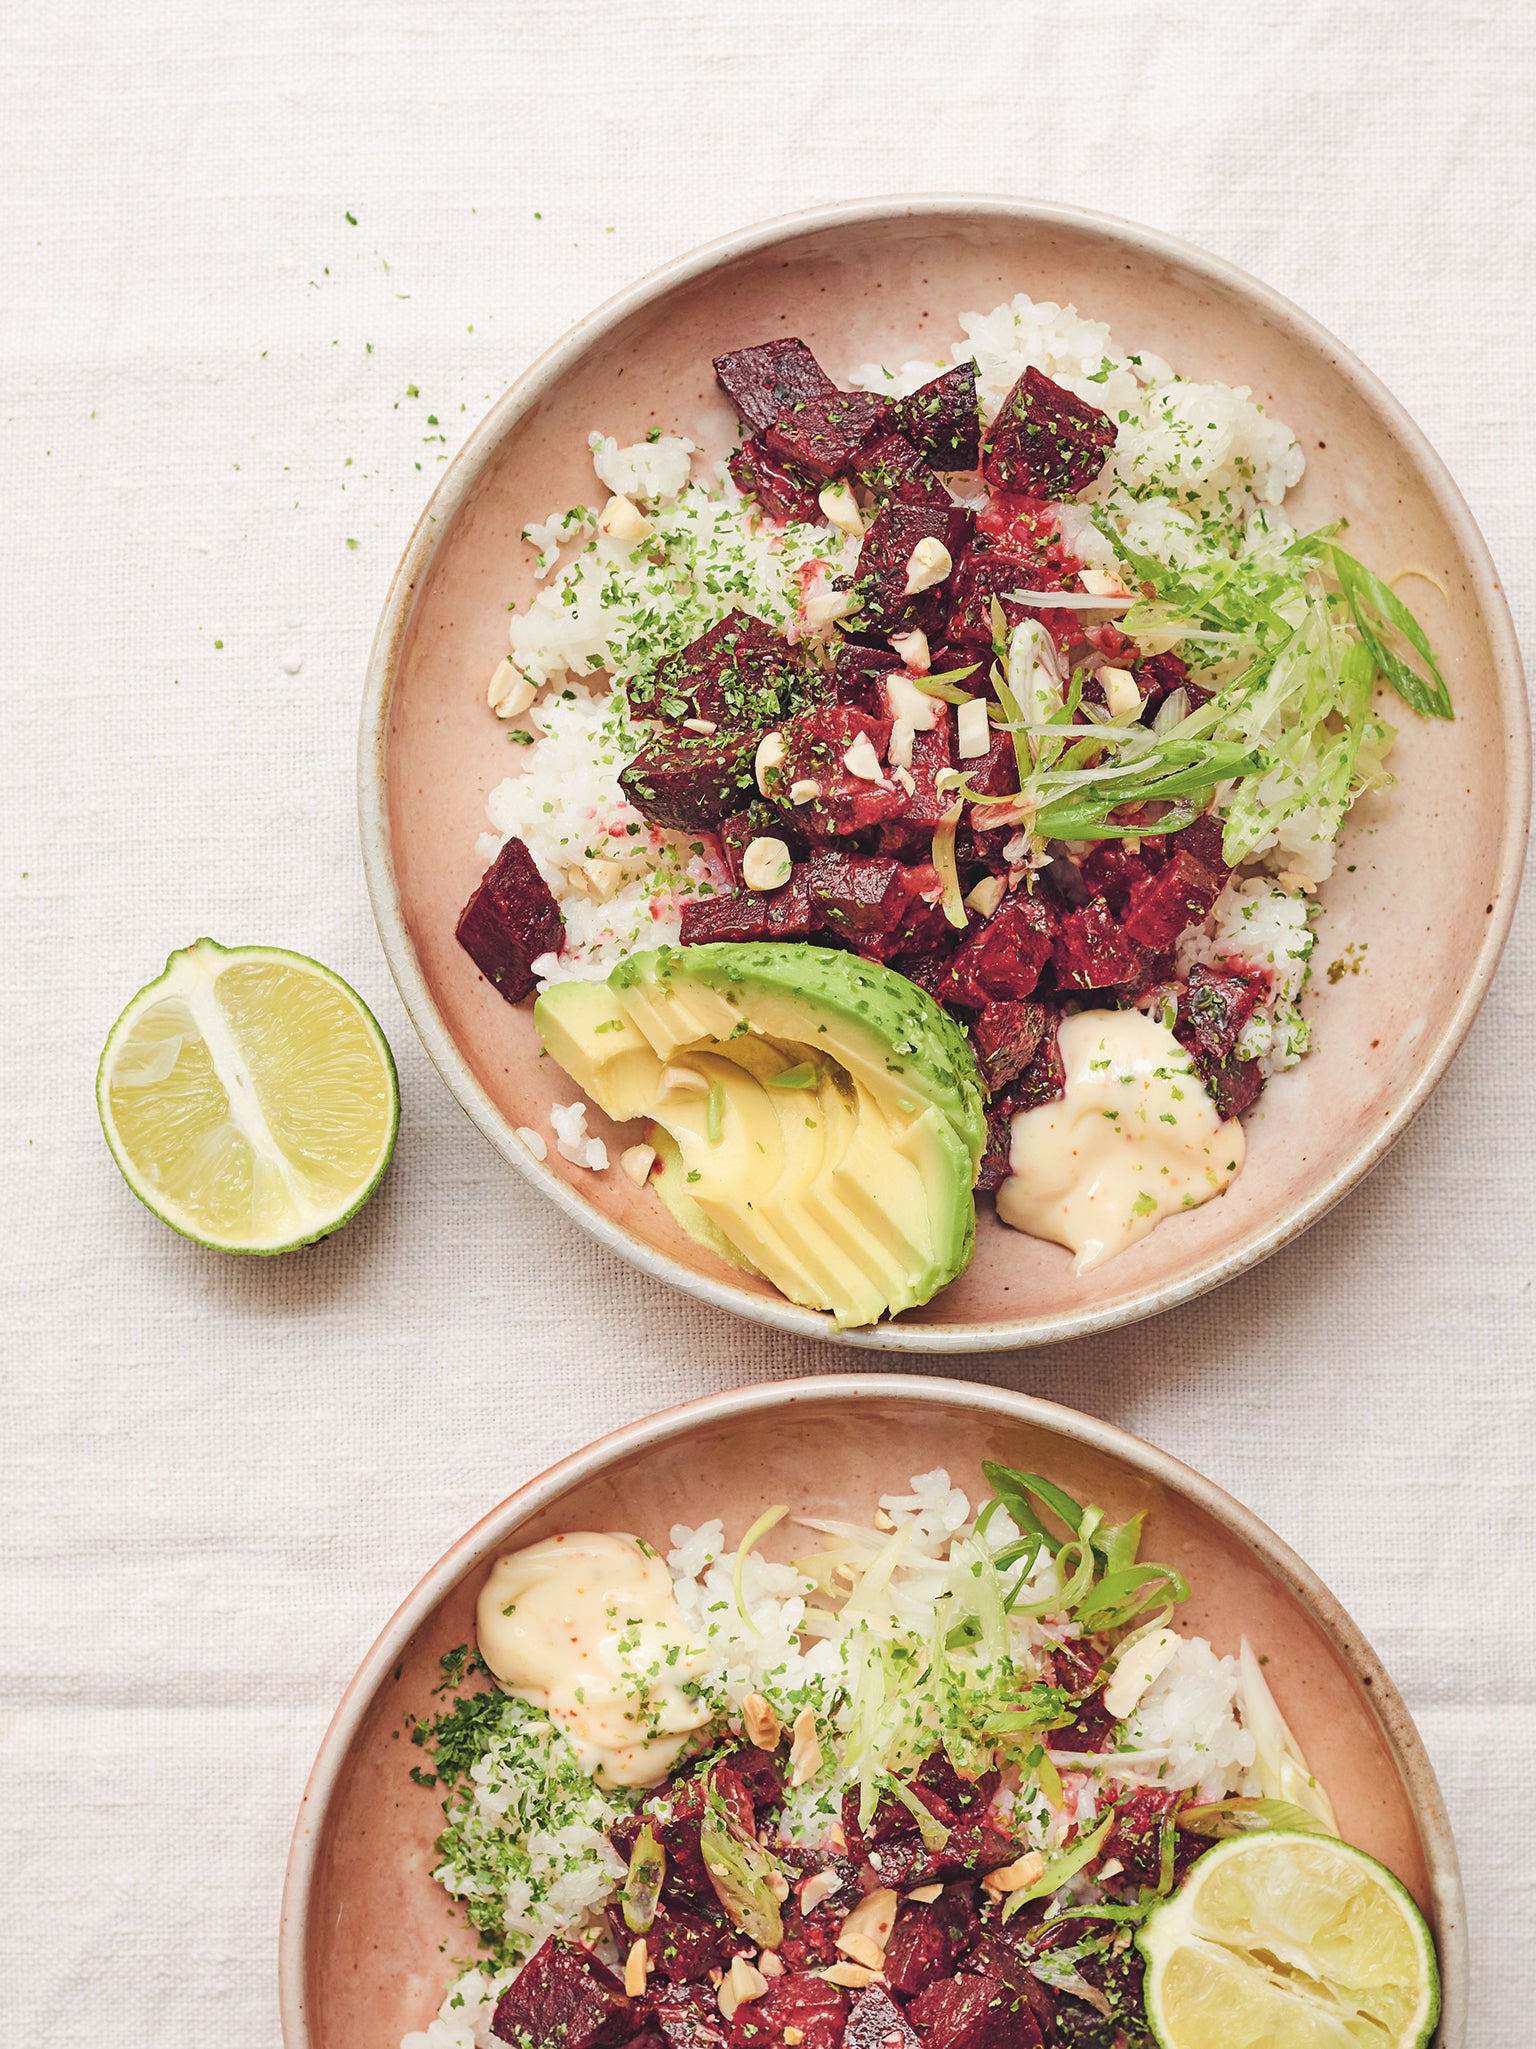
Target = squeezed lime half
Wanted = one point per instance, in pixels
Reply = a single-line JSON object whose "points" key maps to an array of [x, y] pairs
{"points": [[249, 1097], [1288, 1941]]}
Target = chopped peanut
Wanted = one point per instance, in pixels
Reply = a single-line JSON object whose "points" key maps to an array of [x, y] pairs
{"points": [[869, 1924], [636, 1966], [854, 1976], [1014, 1877], [818, 1887], [805, 1751]]}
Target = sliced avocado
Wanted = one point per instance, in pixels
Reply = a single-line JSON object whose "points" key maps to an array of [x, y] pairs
{"points": [[823, 1116]]}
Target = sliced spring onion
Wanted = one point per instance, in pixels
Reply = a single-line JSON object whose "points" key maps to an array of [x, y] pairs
{"points": [[943, 858], [943, 684], [1219, 1818], [759, 1530], [933, 1832], [642, 1882], [714, 1111], [1373, 604], [1074, 601], [801, 1077], [1058, 1869], [740, 1872]]}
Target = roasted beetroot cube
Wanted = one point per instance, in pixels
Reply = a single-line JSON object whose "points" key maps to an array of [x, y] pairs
{"points": [[690, 781], [832, 800], [1136, 1835], [858, 677], [1160, 675], [1233, 1085], [929, 1940], [1005, 1036], [1202, 839], [891, 467], [791, 910], [995, 773], [880, 582], [1045, 1078], [683, 1945], [877, 2022], [879, 906], [739, 673], [509, 921], [739, 918], [1002, 961], [782, 491], [1217, 1007], [1045, 442], [910, 837], [763, 382], [736, 833], [688, 2017], [942, 420], [973, 2013], [563, 1998], [1111, 871], [823, 435], [1093, 952], [1162, 906], [983, 576], [816, 2009], [996, 1164], [937, 1774]]}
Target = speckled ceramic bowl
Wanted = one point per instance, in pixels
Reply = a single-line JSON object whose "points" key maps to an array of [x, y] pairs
{"points": [[885, 279], [364, 1928]]}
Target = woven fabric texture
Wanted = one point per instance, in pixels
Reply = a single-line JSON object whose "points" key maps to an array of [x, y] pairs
{"points": [[262, 264]]}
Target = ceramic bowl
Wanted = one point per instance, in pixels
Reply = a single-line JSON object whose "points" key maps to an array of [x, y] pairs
{"points": [[364, 1926], [1427, 876]]}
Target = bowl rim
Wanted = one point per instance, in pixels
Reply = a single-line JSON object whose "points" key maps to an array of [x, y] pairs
{"points": [[544, 1489], [455, 486]]}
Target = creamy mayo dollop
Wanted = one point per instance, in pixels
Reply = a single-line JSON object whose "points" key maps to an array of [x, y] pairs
{"points": [[587, 1627], [1134, 1138]]}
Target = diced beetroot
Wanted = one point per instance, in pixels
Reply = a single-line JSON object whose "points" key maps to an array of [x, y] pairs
{"points": [[982, 575], [816, 743], [973, 2013], [761, 1772], [936, 1774], [858, 677], [509, 921], [1044, 441], [736, 833], [738, 918], [1163, 905], [763, 382], [929, 1940], [691, 780], [688, 2017], [810, 1939], [563, 1998], [1158, 676], [1002, 961], [682, 1803], [1202, 839], [1027, 529], [825, 434], [1003, 1954], [891, 468], [1005, 1036], [739, 673], [791, 912], [880, 582], [877, 2022], [996, 1164], [782, 491], [1217, 1007], [942, 419], [1233, 1085], [682, 1944], [995, 773], [910, 836], [1111, 872], [1093, 952], [797, 2000], [1045, 1078], [879, 906], [1136, 1835]]}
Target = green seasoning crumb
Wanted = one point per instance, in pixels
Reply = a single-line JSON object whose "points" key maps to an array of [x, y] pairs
{"points": [[351, 543]]}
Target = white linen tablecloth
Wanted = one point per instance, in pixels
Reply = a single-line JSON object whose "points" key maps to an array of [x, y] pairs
{"points": [[219, 1477]]}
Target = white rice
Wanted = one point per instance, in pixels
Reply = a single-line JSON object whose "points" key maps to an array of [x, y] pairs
{"points": [[1185, 453]]}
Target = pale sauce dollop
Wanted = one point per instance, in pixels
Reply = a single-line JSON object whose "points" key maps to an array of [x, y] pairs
{"points": [[587, 1627], [1135, 1138]]}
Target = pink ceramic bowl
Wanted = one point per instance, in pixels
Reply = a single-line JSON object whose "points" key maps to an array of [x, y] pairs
{"points": [[884, 280], [363, 1925]]}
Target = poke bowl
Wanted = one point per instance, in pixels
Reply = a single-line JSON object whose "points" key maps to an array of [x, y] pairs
{"points": [[824, 1554], [961, 669]]}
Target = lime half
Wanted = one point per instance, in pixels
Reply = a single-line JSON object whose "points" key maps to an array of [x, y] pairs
{"points": [[1282, 1941], [249, 1097]]}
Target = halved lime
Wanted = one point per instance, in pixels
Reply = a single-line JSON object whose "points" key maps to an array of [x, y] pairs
{"points": [[249, 1098], [1287, 1941]]}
